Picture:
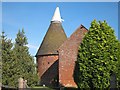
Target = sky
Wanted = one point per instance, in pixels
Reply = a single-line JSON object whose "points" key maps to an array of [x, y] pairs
{"points": [[35, 18]]}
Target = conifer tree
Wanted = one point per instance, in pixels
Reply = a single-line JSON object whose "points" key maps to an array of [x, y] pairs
{"points": [[7, 60], [97, 57], [24, 65], [17, 61]]}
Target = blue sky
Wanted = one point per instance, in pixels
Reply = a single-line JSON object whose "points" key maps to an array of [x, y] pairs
{"points": [[35, 18]]}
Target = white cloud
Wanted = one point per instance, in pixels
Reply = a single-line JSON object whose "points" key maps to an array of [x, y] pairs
{"points": [[32, 46]]}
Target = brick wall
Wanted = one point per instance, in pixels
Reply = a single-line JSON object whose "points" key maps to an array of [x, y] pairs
{"points": [[68, 55], [48, 69]]}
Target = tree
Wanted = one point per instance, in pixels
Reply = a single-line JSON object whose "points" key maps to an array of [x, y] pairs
{"points": [[118, 69], [7, 59], [24, 65], [97, 57], [17, 62]]}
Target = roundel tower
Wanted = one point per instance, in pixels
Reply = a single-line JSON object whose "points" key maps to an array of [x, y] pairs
{"points": [[47, 54]]}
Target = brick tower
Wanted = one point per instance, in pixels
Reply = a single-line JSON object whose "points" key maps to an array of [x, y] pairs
{"points": [[47, 55]]}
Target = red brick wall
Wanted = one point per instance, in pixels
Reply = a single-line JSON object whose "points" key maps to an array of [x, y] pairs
{"points": [[67, 57], [47, 69]]}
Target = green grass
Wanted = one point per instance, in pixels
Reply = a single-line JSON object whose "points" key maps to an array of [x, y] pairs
{"points": [[48, 88], [42, 88]]}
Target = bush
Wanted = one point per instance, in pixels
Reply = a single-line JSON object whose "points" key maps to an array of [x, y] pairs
{"points": [[97, 57]]}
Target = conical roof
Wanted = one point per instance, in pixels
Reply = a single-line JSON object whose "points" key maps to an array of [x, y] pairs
{"points": [[53, 39]]}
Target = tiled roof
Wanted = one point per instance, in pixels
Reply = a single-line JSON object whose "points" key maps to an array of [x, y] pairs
{"points": [[53, 39]]}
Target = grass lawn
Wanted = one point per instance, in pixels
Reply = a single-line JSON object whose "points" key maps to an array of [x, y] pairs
{"points": [[48, 88], [42, 88]]}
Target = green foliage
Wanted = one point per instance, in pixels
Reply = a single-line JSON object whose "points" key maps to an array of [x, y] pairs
{"points": [[21, 40], [97, 57], [7, 55], [118, 65], [17, 62]]}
